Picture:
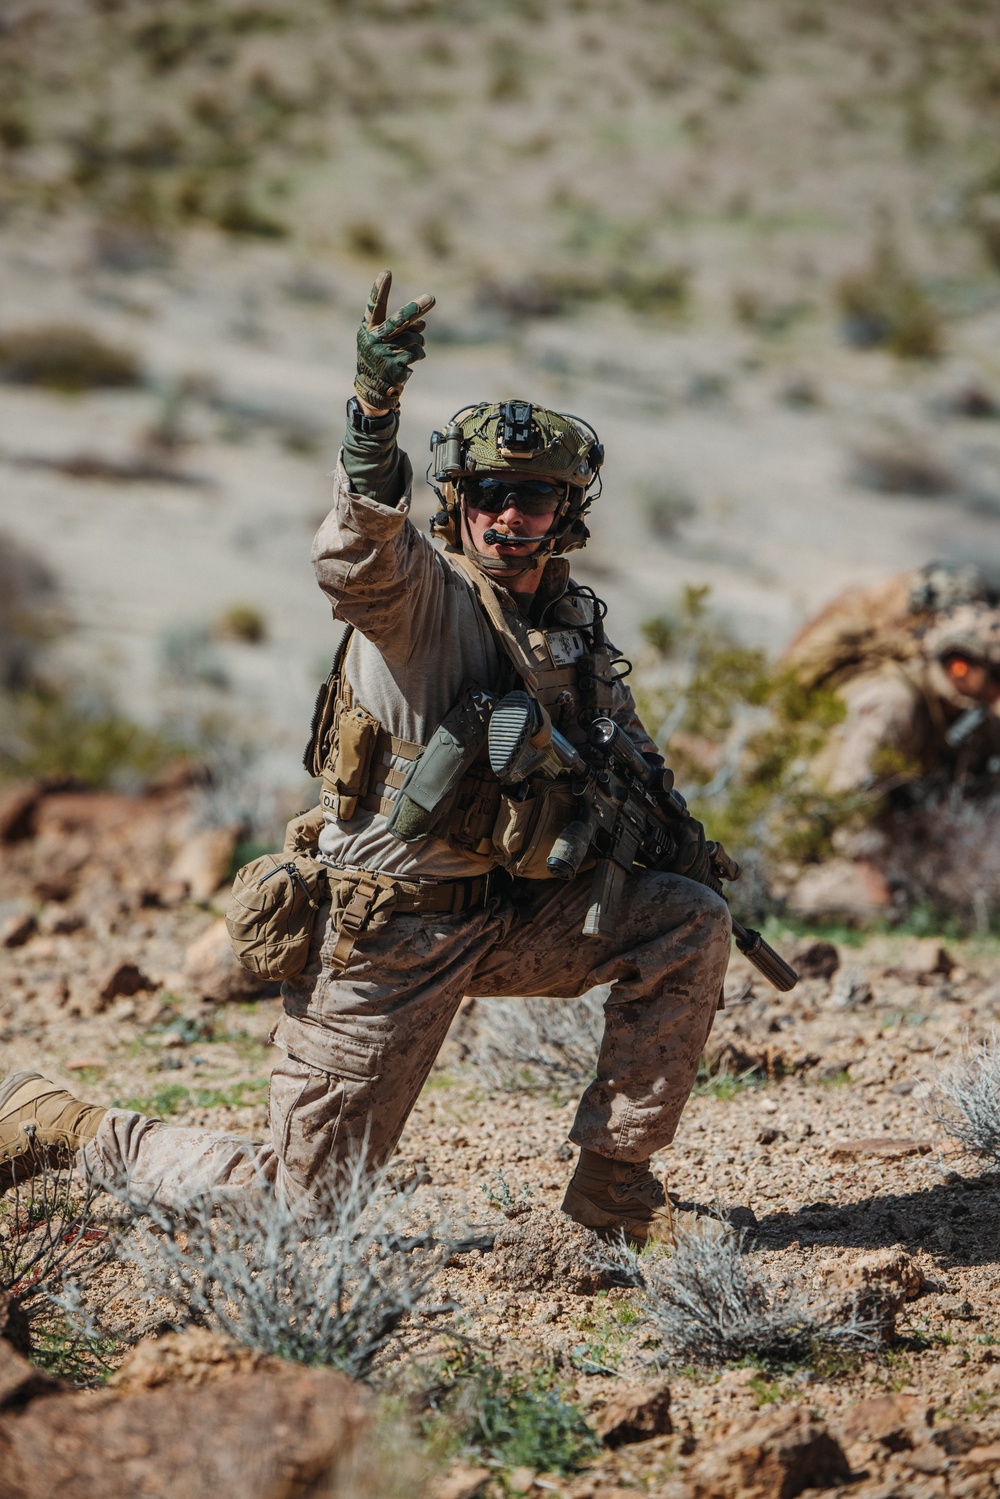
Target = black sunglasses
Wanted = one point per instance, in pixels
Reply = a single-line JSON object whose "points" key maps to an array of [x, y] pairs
{"points": [[495, 494]]}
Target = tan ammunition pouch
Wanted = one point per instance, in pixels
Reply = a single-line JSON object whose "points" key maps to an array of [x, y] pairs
{"points": [[352, 752]]}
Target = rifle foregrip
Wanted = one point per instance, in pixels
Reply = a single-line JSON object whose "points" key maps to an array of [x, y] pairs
{"points": [[764, 958]]}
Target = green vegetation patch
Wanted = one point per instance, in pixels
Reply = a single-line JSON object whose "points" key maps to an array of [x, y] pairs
{"points": [[175, 1097], [66, 357], [514, 1420]]}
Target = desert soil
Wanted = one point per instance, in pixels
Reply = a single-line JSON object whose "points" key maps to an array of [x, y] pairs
{"points": [[826, 1151]]}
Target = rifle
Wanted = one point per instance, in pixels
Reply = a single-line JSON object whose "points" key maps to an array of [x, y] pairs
{"points": [[628, 811]]}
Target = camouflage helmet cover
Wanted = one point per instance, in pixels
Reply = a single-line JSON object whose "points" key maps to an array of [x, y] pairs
{"points": [[514, 436], [970, 630]]}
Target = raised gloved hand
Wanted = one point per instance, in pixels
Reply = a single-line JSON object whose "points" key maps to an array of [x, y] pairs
{"points": [[388, 346]]}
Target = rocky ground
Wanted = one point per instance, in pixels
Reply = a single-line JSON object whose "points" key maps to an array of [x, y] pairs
{"points": [[813, 1127]]}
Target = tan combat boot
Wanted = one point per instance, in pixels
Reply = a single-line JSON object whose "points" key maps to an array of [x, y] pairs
{"points": [[616, 1197], [40, 1125]]}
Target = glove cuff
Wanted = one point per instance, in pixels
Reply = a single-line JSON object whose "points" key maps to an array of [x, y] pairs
{"points": [[375, 396]]}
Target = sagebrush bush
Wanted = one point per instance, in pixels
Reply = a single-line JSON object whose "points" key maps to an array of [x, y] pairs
{"points": [[525, 1043], [56, 1232], [966, 1100], [884, 304], [708, 1302], [336, 1289], [65, 356]]}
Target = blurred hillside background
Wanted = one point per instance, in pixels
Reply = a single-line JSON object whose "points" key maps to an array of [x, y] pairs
{"points": [[757, 245]]}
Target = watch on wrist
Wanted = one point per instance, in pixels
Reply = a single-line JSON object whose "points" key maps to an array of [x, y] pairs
{"points": [[361, 422]]}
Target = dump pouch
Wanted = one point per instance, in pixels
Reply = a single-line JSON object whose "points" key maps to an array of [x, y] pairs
{"points": [[272, 911], [426, 796]]}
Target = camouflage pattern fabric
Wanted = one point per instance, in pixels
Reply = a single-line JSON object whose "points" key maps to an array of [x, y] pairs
{"points": [[388, 346], [361, 1042]]}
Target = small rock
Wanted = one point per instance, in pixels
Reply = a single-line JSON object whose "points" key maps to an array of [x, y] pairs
{"points": [[521, 1480], [18, 804], [927, 1458], [461, 1482], [887, 1146], [982, 1459], [266, 1433], [851, 989], [203, 861], [17, 928], [957, 1309], [774, 1456], [213, 972], [122, 979], [634, 1414], [190, 1357], [815, 960], [57, 921], [896, 1422], [925, 957], [873, 1287]]}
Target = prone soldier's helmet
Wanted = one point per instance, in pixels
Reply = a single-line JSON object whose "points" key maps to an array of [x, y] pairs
{"points": [[517, 439], [967, 633]]}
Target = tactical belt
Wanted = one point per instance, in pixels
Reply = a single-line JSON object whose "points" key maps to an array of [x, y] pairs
{"points": [[363, 896]]}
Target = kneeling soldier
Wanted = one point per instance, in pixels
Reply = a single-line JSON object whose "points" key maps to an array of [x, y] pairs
{"points": [[437, 878]]}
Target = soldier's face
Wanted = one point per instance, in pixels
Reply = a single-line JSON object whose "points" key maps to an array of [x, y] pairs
{"points": [[510, 511], [973, 679]]}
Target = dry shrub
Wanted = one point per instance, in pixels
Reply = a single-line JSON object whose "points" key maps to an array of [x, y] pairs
{"points": [[709, 1303], [945, 854], [966, 1100], [55, 1235], [243, 622], [883, 304], [336, 1289], [535, 1043], [65, 356], [902, 464]]}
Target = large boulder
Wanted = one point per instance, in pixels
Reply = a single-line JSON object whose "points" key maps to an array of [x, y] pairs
{"points": [[273, 1432], [774, 1456], [213, 971]]}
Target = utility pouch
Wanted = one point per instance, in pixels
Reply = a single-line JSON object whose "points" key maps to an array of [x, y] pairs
{"points": [[525, 831], [345, 776], [427, 795], [272, 911]]}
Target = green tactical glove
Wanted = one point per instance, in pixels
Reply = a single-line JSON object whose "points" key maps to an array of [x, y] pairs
{"points": [[387, 346]]}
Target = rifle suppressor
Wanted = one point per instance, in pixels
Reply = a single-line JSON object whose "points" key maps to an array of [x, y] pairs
{"points": [[764, 958]]}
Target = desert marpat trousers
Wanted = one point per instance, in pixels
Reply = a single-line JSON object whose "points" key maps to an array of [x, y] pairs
{"points": [[361, 1041]]}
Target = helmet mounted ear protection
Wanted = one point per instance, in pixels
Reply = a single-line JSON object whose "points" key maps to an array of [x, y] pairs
{"points": [[520, 441]]}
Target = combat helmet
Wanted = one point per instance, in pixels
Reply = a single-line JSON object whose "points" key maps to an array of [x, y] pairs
{"points": [[969, 630], [515, 437]]}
